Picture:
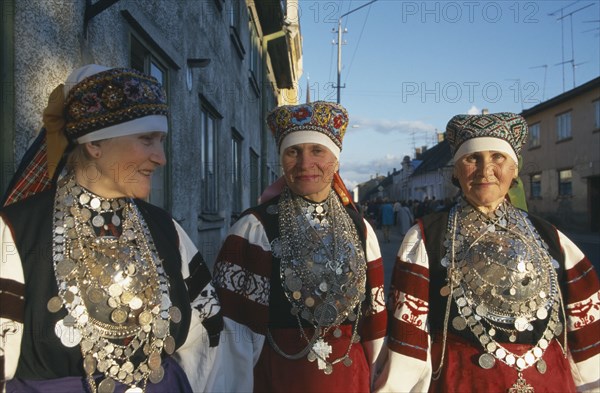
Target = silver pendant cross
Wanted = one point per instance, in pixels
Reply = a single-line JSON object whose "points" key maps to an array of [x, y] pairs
{"points": [[322, 350]]}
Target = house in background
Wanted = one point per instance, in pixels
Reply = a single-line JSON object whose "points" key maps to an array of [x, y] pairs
{"points": [[432, 179], [224, 64], [561, 161]]}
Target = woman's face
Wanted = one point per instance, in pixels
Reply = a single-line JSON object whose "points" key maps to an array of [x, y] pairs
{"points": [[123, 166], [485, 177], [308, 169]]}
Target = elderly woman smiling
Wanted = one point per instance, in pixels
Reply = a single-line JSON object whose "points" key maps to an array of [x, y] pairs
{"points": [[105, 291], [300, 275], [486, 297]]}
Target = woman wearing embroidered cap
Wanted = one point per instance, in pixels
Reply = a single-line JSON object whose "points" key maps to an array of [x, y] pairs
{"points": [[101, 291], [486, 297], [300, 276]]}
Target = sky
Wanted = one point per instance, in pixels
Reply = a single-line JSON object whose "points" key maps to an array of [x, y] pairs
{"points": [[407, 67]]}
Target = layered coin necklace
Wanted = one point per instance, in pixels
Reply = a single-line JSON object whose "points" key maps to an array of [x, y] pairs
{"points": [[503, 281], [114, 289], [323, 272]]}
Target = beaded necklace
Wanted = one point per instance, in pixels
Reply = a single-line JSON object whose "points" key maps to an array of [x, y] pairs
{"points": [[323, 272], [114, 289]]}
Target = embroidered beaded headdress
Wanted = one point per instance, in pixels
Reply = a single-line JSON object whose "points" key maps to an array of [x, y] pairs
{"points": [[316, 122], [504, 132], [107, 103], [94, 103]]}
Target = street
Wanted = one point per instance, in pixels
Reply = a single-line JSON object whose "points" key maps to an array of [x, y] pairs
{"points": [[588, 243]]}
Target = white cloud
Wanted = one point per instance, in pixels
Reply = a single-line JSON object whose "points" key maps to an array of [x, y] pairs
{"points": [[385, 126], [377, 146], [356, 172]]}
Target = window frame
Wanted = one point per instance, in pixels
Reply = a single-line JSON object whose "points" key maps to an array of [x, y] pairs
{"points": [[235, 26], [596, 104], [254, 55], [562, 184], [535, 186], [145, 59], [535, 135], [236, 171], [209, 131], [254, 176], [564, 129]]}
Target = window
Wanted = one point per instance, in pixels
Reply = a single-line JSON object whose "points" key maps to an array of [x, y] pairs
{"points": [[254, 56], [235, 15], [254, 177], [236, 171], [565, 183], [597, 114], [534, 135], [142, 59], [235, 25], [208, 151], [536, 186], [563, 126]]}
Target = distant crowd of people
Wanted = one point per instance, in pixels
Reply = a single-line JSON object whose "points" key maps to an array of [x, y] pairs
{"points": [[383, 213]]}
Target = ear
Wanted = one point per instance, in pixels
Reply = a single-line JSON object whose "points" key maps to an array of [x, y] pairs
{"points": [[93, 149]]}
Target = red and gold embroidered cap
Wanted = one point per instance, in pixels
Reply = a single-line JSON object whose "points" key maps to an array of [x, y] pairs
{"points": [[505, 132], [316, 122]]}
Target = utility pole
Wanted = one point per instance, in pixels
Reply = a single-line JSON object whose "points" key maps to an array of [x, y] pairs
{"points": [[339, 44]]}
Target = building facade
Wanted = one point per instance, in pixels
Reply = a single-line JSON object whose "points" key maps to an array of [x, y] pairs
{"points": [[561, 161], [224, 64]]}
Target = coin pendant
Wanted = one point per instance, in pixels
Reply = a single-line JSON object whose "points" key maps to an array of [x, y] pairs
{"points": [[154, 361], [510, 359], [541, 366], [65, 267], [54, 304], [445, 291], [459, 323], [337, 333], [118, 315], [293, 283], [175, 314], [348, 362], [487, 361], [84, 198], [95, 295], [135, 303], [95, 203], [157, 375], [521, 324], [169, 345], [69, 336], [98, 221], [311, 356], [106, 386], [89, 364], [134, 389], [328, 369]]}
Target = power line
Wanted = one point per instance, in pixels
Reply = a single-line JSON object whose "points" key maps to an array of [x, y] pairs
{"points": [[357, 44]]}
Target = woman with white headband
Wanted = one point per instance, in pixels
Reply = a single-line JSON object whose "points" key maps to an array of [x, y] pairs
{"points": [[100, 290], [300, 276], [486, 297]]}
